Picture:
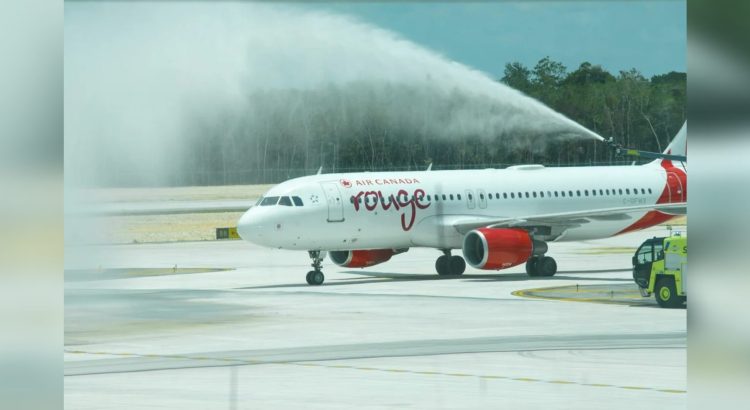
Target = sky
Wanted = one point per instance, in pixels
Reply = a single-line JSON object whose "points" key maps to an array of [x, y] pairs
{"points": [[619, 35]]}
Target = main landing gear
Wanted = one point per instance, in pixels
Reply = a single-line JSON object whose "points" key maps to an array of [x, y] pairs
{"points": [[447, 265], [541, 266], [315, 277]]}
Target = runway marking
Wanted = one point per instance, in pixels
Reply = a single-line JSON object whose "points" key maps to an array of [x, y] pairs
{"points": [[614, 297], [378, 369]]}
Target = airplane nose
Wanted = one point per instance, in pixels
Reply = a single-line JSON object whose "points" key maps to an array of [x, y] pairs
{"points": [[249, 226]]}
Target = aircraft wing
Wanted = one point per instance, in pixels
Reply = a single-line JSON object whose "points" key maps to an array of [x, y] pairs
{"points": [[558, 222]]}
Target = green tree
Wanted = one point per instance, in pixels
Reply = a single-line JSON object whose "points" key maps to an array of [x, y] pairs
{"points": [[517, 76]]}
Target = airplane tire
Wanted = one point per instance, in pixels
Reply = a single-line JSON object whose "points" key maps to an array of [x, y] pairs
{"points": [[443, 265], [457, 265], [315, 278], [531, 266], [666, 293], [546, 266]]}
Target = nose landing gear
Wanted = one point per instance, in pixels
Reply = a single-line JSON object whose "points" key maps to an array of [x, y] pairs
{"points": [[447, 265], [315, 277]]}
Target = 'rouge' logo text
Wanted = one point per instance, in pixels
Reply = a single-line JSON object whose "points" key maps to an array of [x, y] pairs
{"points": [[400, 201]]}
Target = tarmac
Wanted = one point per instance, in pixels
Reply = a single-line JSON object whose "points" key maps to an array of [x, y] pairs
{"points": [[227, 324]]}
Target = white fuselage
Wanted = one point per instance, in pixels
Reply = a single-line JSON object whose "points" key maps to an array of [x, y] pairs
{"points": [[339, 211]]}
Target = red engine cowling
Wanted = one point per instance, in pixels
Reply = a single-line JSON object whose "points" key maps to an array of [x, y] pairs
{"points": [[361, 258], [495, 249]]}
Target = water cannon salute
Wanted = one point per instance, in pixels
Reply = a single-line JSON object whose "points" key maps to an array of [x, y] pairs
{"points": [[453, 198]]}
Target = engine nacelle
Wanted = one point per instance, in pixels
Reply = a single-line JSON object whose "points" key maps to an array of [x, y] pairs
{"points": [[501, 248], [362, 258]]}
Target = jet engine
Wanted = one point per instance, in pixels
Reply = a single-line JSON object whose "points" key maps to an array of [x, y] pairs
{"points": [[501, 248], [363, 258]]}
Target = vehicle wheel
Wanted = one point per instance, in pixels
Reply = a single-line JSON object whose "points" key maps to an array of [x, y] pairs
{"points": [[316, 278], [309, 277], [546, 266], [457, 265], [666, 293], [531, 266], [443, 265]]}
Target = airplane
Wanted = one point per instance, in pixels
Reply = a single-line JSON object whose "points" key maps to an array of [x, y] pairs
{"points": [[499, 218]]}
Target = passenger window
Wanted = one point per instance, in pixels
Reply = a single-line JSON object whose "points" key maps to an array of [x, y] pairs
{"points": [[520, 195], [556, 194], [627, 191], [578, 193], [458, 196], [570, 194], [437, 197], [512, 195], [481, 195], [451, 197], [607, 191], [428, 198], [497, 195], [470, 197], [298, 201], [593, 192], [649, 190], [269, 200], [586, 191], [541, 194], [601, 192], [534, 194], [549, 194], [285, 200], [505, 195], [443, 197], [620, 191], [643, 191]]}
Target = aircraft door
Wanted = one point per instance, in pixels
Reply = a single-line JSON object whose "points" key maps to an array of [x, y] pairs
{"points": [[335, 204], [676, 190], [482, 200], [470, 199]]}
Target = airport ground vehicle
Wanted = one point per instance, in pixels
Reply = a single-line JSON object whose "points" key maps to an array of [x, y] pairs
{"points": [[660, 268]]}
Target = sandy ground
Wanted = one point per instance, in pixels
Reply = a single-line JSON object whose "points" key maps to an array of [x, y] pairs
{"points": [[190, 193], [167, 228]]}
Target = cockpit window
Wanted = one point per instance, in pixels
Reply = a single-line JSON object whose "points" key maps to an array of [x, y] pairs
{"points": [[259, 201], [297, 200], [285, 200], [269, 200]]}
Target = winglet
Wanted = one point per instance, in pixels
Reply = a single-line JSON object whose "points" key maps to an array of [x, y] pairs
{"points": [[429, 168], [320, 170]]}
